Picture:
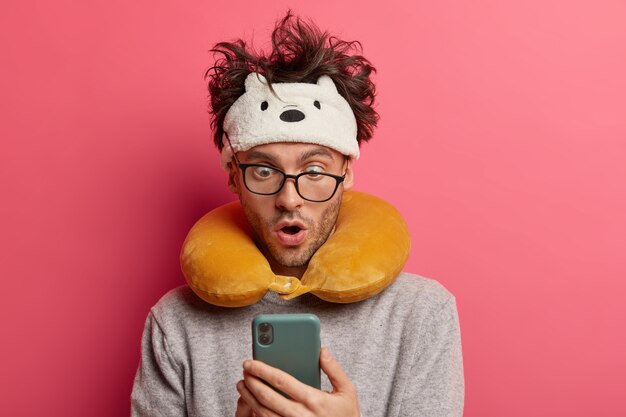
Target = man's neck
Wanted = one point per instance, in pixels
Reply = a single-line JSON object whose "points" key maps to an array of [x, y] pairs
{"points": [[296, 271]]}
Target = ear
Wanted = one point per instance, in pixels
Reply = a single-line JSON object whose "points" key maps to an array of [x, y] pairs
{"points": [[233, 178], [348, 181], [255, 80], [326, 84]]}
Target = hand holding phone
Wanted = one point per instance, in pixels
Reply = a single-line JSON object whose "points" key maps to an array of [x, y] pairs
{"points": [[305, 396]]}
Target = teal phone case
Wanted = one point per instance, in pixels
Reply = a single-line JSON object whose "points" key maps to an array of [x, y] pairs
{"points": [[295, 347]]}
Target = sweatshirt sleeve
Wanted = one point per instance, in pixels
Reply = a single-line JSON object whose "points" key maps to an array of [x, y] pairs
{"points": [[158, 389], [436, 386]]}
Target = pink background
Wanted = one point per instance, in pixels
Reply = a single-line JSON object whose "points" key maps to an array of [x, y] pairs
{"points": [[502, 140]]}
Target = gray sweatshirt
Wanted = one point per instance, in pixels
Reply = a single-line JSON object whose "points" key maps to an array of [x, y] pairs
{"points": [[401, 349]]}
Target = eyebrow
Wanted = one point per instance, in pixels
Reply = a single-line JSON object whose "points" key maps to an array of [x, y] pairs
{"points": [[262, 155], [319, 151]]}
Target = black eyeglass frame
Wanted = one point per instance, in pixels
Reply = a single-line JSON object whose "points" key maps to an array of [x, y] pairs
{"points": [[338, 180]]}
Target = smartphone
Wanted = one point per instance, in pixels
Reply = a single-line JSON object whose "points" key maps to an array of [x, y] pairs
{"points": [[290, 342]]}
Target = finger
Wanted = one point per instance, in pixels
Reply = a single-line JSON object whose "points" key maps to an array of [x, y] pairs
{"points": [[280, 380], [271, 399], [336, 375], [252, 403], [243, 408]]}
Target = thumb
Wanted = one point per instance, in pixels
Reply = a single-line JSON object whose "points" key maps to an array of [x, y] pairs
{"points": [[335, 373]]}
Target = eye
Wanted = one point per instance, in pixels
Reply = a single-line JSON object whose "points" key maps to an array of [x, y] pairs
{"points": [[263, 172], [264, 105], [317, 104], [314, 171]]}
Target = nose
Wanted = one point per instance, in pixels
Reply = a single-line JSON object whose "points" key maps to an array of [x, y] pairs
{"points": [[292, 116], [288, 197]]}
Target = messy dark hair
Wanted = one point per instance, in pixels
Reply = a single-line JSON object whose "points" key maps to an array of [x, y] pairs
{"points": [[300, 53]]}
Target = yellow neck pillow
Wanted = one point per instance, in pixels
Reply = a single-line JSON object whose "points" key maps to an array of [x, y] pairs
{"points": [[368, 249]]}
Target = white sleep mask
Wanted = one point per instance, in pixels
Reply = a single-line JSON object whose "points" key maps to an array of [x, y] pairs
{"points": [[299, 112]]}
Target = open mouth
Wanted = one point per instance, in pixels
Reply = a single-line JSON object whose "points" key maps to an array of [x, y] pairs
{"points": [[291, 230], [291, 234]]}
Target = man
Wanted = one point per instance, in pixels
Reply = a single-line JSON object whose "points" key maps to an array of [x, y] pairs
{"points": [[397, 353]]}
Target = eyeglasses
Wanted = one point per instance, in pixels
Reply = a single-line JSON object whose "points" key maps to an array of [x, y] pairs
{"points": [[311, 186]]}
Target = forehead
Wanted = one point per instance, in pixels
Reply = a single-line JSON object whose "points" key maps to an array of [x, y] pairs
{"points": [[285, 152]]}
